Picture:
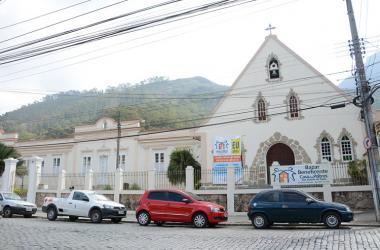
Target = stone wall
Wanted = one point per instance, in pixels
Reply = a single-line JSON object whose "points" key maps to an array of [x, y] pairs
{"points": [[360, 200], [41, 196], [111, 197], [319, 196], [242, 202], [220, 199], [65, 195], [130, 201]]}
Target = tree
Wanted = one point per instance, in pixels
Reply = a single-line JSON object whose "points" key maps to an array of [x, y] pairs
{"points": [[179, 160], [21, 171], [5, 153]]}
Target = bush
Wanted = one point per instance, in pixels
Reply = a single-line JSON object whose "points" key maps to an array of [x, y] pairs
{"points": [[107, 187], [358, 172], [134, 186], [21, 192]]}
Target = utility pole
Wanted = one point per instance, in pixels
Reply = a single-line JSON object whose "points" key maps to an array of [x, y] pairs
{"points": [[364, 103], [118, 141]]}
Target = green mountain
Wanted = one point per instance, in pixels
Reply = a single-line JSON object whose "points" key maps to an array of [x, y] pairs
{"points": [[161, 102]]}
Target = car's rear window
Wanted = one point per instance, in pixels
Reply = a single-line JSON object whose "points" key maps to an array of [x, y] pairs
{"points": [[157, 195]]}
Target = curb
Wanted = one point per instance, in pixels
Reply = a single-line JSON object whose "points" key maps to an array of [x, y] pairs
{"points": [[247, 224]]}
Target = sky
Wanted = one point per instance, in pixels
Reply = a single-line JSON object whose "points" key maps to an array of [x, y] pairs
{"points": [[216, 46]]}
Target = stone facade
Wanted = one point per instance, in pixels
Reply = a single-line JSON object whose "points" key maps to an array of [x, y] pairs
{"points": [[319, 196], [360, 200], [130, 201], [220, 199], [259, 163], [242, 202], [40, 198]]}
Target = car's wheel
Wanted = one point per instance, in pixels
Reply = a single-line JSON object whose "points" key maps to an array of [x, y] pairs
{"points": [[143, 218], [200, 220], [259, 221], [7, 212], [73, 218], [51, 213], [332, 220], [159, 223], [27, 215], [96, 216], [116, 220]]}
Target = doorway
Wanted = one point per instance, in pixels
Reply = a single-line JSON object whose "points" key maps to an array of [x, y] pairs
{"points": [[281, 153]]}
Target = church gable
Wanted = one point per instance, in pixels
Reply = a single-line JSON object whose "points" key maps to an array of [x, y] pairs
{"points": [[273, 71]]}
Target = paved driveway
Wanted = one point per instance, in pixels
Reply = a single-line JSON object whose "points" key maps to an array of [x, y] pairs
{"points": [[38, 233]]}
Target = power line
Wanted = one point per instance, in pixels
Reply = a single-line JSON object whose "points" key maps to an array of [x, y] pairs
{"points": [[207, 8], [43, 15], [166, 131]]}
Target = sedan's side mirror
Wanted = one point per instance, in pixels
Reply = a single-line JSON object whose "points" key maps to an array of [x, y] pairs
{"points": [[309, 200], [186, 200]]}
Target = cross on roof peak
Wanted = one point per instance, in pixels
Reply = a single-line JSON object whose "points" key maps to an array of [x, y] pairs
{"points": [[270, 28]]}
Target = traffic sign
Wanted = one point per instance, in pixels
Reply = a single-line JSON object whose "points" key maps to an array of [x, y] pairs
{"points": [[367, 143]]}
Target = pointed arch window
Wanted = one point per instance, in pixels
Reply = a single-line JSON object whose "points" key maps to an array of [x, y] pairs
{"points": [[326, 149], [346, 148], [261, 110], [274, 69], [293, 107]]}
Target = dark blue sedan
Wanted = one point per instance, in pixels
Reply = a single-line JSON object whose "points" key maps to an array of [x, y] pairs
{"points": [[293, 206]]}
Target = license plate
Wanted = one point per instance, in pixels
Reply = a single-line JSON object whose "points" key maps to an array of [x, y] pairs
{"points": [[121, 212], [28, 209]]}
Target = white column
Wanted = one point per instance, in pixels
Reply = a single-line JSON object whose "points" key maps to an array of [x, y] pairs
{"points": [[118, 184], [9, 174], [89, 178], [327, 194], [231, 189], [34, 173], [61, 182], [152, 179], [189, 178]]}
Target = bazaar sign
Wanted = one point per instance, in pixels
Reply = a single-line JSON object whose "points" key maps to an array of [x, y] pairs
{"points": [[301, 174], [226, 153]]}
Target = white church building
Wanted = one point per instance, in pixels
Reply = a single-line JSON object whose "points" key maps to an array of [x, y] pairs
{"points": [[280, 107]]}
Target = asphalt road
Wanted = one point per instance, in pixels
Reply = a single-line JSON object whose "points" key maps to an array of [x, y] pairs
{"points": [[39, 233]]}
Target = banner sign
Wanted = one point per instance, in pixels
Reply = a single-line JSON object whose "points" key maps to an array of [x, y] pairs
{"points": [[300, 174], [227, 153]]}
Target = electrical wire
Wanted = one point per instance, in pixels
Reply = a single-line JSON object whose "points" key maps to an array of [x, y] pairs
{"points": [[165, 131]]}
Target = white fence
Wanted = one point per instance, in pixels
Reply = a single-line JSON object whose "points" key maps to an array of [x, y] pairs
{"points": [[204, 182]]}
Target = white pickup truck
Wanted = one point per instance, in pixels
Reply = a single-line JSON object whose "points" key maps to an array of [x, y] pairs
{"points": [[84, 203]]}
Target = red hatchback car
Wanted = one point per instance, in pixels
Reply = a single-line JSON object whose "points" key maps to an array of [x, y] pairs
{"points": [[160, 206]]}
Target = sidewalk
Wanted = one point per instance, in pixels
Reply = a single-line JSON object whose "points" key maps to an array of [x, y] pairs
{"points": [[361, 218]]}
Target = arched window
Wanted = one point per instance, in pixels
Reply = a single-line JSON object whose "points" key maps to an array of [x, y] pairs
{"points": [[261, 110], [274, 69], [326, 149], [293, 107], [346, 148]]}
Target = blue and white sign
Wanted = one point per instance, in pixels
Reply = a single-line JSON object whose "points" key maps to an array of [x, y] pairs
{"points": [[300, 174], [227, 154]]}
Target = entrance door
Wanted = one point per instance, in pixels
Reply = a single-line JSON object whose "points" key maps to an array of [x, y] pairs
{"points": [[281, 153]]}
